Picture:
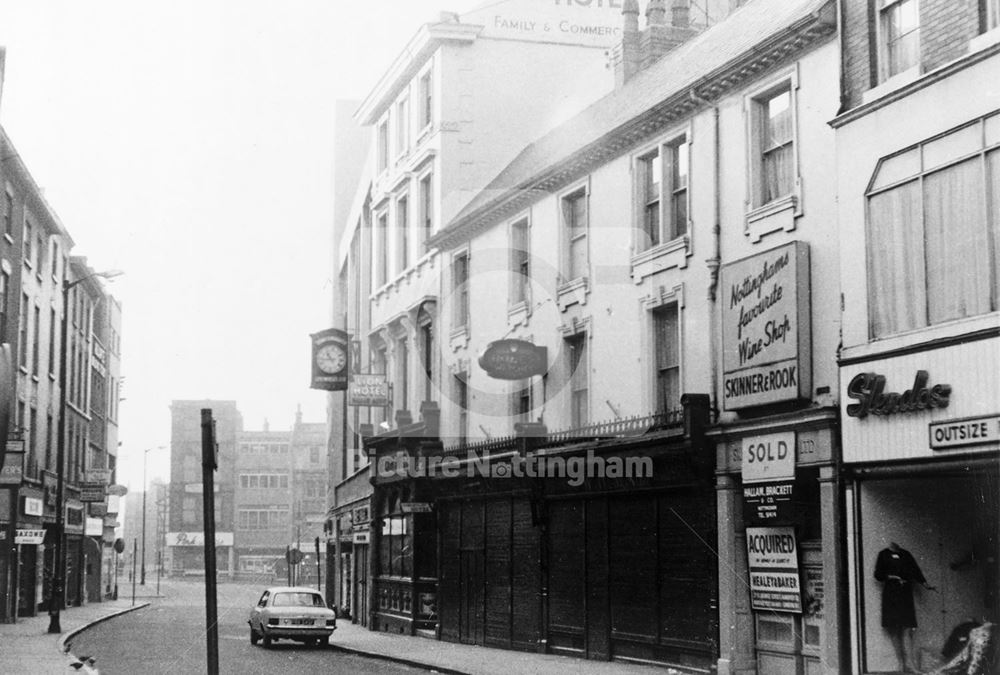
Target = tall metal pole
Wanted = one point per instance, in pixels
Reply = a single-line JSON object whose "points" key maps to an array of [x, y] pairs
{"points": [[208, 467], [142, 571], [134, 558], [58, 562]]}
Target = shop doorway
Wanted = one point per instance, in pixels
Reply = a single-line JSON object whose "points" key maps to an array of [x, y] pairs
{"points": [[948, 522]]}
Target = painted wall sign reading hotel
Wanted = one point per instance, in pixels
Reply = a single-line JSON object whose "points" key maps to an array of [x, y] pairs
{"points": [[964, 432], [766, 328], [596, 23]]}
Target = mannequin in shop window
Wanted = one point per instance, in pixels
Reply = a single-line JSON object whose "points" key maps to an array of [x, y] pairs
{"points": [[898, 571]]}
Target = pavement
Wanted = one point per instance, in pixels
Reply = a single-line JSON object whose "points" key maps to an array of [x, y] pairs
{"points": [[460, 659], [28, 647]]}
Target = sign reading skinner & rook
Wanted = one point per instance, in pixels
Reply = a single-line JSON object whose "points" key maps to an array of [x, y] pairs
{"points": [[765, 328]]}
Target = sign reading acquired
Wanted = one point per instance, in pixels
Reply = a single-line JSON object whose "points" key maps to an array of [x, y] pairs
{"points": [[365, 389], [766, 328], [773, 559]]}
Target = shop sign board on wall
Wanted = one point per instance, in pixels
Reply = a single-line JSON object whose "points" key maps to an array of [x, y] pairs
{"points": [[770, 503], [773, 559], [960, 433], [766, 336]]}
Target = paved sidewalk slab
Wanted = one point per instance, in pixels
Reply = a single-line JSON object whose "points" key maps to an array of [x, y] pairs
{"points": [[459, 659], [28, 647]]}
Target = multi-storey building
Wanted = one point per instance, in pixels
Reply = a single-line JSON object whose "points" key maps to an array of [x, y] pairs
{"points": [[264, 496], [918, 183], [32, 314], [442, 125], [185, 536], [280, 497], [35, 248]]}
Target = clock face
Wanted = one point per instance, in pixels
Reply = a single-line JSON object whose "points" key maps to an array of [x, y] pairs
{"points": [[331, 359]]}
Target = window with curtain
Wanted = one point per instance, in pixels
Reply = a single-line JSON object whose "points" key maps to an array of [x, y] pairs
{"points": [[402, 234], [382, 145], [666, 339], [991, 14], [579, 379], [649, 175], [777, 149], [380, 249], [575, 222], [460, 289], [900, 28], [934, 235], [402, 127], [425, 226], [462, 402], [520, 263], [426, 92]]}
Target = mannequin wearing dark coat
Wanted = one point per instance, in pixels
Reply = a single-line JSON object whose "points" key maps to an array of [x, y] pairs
{"points": [[898, 571]]}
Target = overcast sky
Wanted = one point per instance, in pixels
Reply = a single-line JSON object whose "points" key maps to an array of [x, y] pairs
{"points": [[188, 143]]}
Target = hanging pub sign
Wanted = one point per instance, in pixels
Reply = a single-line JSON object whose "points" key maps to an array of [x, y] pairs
{"points": [[773, 559], [766, 328], [330, 360], [512, 359], [365, 389]]}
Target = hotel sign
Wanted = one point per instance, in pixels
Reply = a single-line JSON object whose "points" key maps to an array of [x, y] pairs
{"points": [[766, 328], [365, 389], [596, 23], [513, 359]]}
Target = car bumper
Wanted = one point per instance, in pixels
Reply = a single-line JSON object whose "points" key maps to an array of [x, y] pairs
{"points": [[298, 632]]}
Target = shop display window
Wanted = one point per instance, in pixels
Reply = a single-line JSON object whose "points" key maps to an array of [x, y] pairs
{"points": [[927, 541]]}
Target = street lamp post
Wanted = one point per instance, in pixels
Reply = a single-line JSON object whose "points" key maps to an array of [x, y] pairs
{"points": [[59, 562], [145, 489]]}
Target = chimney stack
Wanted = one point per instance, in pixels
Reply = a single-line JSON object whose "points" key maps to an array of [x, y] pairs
{"points": [[660, 38], [626, 56], [680, 14], [656, 13]]}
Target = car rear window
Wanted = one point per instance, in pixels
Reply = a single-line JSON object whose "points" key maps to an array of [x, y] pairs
{"points": [[297, 600]]}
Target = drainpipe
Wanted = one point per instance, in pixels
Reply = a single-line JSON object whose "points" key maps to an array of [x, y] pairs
{"points": [[715, 261]]}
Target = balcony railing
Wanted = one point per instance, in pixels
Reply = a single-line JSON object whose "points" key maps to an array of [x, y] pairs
{"points": [[625, 427]]}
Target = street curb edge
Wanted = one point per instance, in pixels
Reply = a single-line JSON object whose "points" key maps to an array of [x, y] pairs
{"points": [[76, 631], [396, 659]]}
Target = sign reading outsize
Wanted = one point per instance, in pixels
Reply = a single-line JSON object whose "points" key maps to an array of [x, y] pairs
{"points": [[330, 362], [766, 328]]}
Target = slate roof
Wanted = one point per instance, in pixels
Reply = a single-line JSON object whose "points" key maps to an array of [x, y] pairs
{"points": [[750, 31]]}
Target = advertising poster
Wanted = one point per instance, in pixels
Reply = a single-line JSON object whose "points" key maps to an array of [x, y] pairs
{"points": [[773, 560]]}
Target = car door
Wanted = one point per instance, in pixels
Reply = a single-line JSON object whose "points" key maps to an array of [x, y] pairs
{"points": [[255, 621]]}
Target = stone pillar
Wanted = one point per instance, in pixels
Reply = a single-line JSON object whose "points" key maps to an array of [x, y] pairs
{"points": [[835, 627], [736, 631]]}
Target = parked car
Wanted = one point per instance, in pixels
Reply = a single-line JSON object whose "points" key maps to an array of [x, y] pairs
{"points": [[291, 613]]}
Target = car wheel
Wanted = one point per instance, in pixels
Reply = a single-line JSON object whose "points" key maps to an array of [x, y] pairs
{"points": [[254, 637], [267, 640]]}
